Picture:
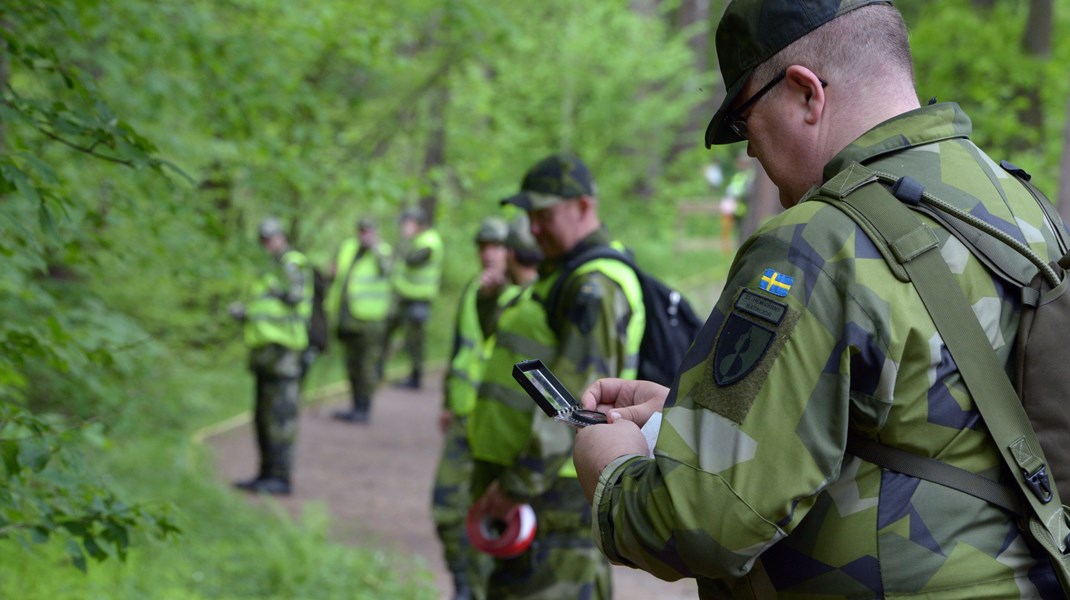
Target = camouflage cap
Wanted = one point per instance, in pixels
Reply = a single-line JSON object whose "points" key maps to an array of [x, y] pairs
{"points": [[519, 237], [751, 31], [366, 223], [492, 229], [269, 227], [415, 213], [553, 179]]}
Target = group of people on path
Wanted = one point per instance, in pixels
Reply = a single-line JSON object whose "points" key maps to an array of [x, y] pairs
{"points": [[751, 488], [371, 296]]}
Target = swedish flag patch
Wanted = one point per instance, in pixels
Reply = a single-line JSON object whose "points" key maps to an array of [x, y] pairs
{"points": [[776, 283]]}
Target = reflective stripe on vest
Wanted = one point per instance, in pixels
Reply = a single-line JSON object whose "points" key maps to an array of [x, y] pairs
{"points": [[269, 320], [625, 277], [420, 282], [500, 425]]}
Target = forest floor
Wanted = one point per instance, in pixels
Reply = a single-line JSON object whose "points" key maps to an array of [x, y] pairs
{"points": [[375, 480]]}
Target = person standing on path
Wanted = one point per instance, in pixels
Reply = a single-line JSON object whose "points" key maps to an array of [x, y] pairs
{"points": [[276, 320], [415, 279], [593, 329], [361, 299], [477, 312], [752, 488]]}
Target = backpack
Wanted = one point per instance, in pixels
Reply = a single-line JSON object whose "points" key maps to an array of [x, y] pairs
{"points": [[317, 327], [671, 323], [1027, 413]]}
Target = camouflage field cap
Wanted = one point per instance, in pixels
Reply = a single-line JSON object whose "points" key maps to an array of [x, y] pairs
{"points": [[414, 213], [519, 237], [269, 227], [366, 223], [751, 31], [492, 229], [553, 179]]}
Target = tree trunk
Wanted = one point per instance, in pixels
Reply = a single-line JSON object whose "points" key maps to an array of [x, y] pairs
{"points": [[694, 15], [1036, 43], [1063, 201], [435, 152], [764, 202]]}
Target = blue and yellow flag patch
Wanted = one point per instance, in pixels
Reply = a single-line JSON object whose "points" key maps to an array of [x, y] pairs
{"points": [[777, 284]]}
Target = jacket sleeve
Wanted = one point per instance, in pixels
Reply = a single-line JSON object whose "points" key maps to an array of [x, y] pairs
{"points": [[753, 430], [591, 328]]}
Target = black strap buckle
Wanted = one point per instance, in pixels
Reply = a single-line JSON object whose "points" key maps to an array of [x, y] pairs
{"points": [[1039, 483]]}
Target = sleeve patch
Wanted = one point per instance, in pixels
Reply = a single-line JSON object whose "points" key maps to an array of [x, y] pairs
{"points": [[747, 344]]}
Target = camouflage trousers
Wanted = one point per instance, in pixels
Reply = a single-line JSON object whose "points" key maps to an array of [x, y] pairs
{"points": [[450, 500], [563, 561], [278, 396], [411, 315], [363, 345], [557, 565]]}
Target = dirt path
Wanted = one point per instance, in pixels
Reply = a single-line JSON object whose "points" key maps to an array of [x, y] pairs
{"points": [[376, 481]]}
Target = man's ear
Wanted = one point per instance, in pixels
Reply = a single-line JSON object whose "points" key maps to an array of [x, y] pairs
{"points": [[809, 90]]}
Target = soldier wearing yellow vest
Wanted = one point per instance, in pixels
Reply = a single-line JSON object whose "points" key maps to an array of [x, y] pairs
{"points": [[360, 296], [595, 327], [415, 279], [276, 319], [477, 313]]}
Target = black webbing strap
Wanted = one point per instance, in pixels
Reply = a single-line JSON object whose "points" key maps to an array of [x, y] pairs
{"points": [[915, 465]]}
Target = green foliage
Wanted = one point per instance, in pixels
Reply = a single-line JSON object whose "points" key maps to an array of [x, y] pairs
{"points": [[977, 58], [45, 493]]}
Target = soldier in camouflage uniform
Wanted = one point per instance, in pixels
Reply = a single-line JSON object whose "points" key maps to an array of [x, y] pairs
{"points": [[594, 329], [477, 312], [276, 332], [361, 298], [415, 277], [750, 489]]}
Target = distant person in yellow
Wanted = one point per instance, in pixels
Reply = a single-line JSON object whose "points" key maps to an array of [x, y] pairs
{"points": [[477, 313], [276, 318], [415, 277], [361, 296]]}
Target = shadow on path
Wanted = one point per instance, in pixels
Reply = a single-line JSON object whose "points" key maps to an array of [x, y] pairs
{"points": [[375, 481]]}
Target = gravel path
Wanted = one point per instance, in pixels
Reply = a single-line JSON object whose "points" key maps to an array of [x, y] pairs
{"points": [[375, 481]]}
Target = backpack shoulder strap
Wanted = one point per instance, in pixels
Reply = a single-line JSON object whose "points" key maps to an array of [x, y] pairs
{"points": [[597, 252], [917, 250]]}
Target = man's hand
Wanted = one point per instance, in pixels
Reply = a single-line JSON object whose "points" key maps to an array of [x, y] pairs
{"points": [[491, 281], [495, 503], [599, 445], [625, 399]]}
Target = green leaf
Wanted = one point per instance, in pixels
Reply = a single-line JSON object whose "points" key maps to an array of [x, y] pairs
{"points": [[34, 453], [9, 452], [77, 556]]}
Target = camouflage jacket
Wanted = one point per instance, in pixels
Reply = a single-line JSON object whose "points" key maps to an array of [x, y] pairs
{"points": [[751, 491], [590, 320]]}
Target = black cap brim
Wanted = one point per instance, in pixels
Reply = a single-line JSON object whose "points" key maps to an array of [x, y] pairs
{"points": [[718, 132], [520, 200]]}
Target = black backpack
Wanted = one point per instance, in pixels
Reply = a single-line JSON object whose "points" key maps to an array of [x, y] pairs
{"points": [[317, 327], [671, 323]]}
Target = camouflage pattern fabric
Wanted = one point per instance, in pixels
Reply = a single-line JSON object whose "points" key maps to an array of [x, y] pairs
{"points": [[562, 561], [589, 339], [278, 397], [450, 499], [590, 322], [363, 350], [750, 490]]}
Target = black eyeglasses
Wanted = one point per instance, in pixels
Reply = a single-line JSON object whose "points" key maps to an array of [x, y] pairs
{"points": [[738, 123]]}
